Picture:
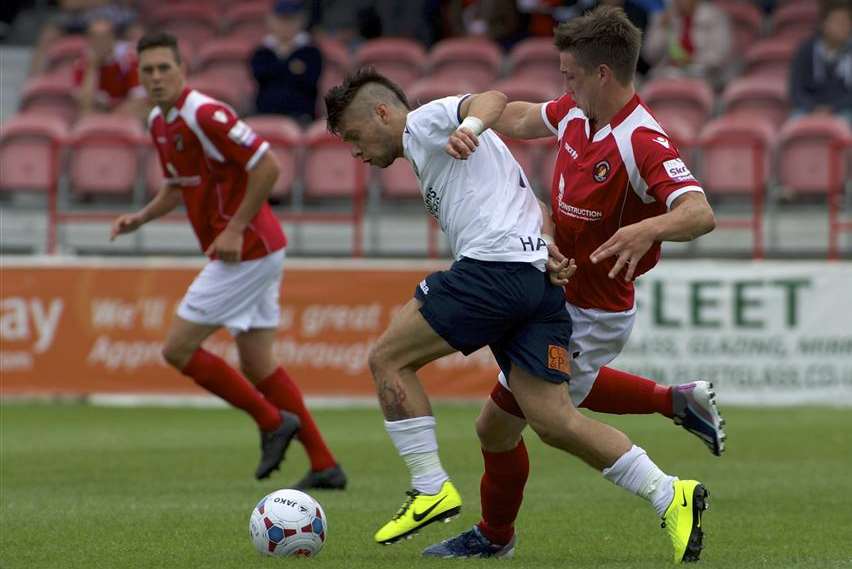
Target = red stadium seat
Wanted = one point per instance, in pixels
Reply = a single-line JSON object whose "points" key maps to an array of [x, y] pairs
{"points": [[682, 133], [518, 89], [691, 99], [770, 57], [228, 58], [529, 153], [795, 20], [63, 52], [537, 60], [400, 59], [285, 139], [220, 87], [758, 96], [29, 152], [430, 89], [104, 157], [398, 181], [330, 171], [746, 21], [476, 60], [335, 65], [247, 19], [50, 94], [812, 158], [735, 162], [194, 23]]}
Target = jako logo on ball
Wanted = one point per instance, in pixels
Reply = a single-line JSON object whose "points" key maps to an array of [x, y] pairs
{"points": [[288, 522]]}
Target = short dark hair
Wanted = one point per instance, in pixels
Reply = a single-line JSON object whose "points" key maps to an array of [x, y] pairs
{"points": [[603, 36], [829, 6], [158, 39], [339, 97]]}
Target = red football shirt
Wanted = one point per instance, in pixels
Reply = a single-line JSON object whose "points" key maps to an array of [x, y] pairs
{"points": [[118, 78], [207, 151], [627, 171]]}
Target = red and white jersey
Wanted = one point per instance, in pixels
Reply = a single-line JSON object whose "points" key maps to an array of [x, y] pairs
{"points": [[207, 151], [118, 78], [627, 171]]}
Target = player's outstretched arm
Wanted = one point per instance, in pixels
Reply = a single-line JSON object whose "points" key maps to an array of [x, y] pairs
{"points": [[228, 244], [166, 200], [689, 218], [523, 121], [479, 113]]}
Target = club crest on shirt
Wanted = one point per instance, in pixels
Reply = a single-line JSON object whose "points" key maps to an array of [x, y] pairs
{"points": [[601, 171], [179, 142]]}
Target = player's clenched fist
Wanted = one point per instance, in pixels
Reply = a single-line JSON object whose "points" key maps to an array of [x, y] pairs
{"points": [[127, 223], [461, 144], [228, 246]]}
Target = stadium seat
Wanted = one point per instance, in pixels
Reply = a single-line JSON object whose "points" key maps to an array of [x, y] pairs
{"points": [[194, 23], [430, 89], [400, 59], [228, 58], [104, 155], [330, 171], [536, 59], [220, 87], [746, 21], [523, 89], [795, 20], [691, 99], [285, 139], [684, 136], [30, 146], [50, 94], [63, 52], [758, 96], [335, 65], [398, 181], [735, 160], [247, 20], [769, 57], [476, 60], [528, 153]]}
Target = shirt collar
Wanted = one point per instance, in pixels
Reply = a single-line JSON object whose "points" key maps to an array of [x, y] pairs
{"points": [[617, 119], [173, 113]]}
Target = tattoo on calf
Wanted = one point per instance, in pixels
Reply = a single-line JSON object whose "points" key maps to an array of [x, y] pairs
{"points": [[392, 399]]}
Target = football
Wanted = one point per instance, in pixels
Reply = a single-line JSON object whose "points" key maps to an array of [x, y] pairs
{"points": [[288, 523]]}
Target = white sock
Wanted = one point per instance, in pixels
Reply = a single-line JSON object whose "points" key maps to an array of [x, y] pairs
{"points": [[637, 473], [416, 443]]}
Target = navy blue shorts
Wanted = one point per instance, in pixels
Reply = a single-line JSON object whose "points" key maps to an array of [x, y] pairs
{"points": [[510, 307]]}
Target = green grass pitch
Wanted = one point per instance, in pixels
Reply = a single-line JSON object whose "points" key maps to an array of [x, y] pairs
{"points": [[89, 487]]}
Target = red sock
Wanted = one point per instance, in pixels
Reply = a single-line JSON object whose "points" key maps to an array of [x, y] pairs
{"points": [[214, 374], [282, 391], [620, 393], [501, 492]]}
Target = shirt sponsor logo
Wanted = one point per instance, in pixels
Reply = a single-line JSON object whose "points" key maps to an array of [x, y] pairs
{"points": [[179, 142], [579, 212], [601, 171], [558, 359], [677, 170], [570, 150], [433, 202]]}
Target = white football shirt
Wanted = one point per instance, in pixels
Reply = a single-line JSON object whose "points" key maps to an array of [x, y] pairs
{"points": [[484, 204]]}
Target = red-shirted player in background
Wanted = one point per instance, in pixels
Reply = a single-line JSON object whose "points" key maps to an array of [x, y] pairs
{"points": [[224, 173], [107, 77], [619, 189]]}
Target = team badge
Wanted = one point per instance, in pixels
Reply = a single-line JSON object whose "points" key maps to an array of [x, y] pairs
{"points": [[601, 171], [179, 142]]}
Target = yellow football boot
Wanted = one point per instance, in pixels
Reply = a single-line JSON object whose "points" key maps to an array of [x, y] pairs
{"points": [[682, 519], [420, 510]]}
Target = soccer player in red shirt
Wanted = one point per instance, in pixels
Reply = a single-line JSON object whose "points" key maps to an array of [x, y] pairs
{"points": [[619, 189], [223, 173], [107, 77]]}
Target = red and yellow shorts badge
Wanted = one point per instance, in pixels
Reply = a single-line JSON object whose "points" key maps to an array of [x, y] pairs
{"points": [[558, 359]]}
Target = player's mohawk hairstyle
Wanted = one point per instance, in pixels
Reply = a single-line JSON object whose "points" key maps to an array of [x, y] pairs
{"points": [[338, 98]]}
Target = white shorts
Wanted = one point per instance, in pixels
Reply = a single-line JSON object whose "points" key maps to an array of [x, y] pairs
{"points": [[240, 296], [597, 337]]}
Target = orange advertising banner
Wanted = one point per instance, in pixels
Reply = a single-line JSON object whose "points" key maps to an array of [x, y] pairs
{"points": [[81, 327]]}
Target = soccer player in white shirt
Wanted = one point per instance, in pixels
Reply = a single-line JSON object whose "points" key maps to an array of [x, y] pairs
{"points": [[496, 294]]}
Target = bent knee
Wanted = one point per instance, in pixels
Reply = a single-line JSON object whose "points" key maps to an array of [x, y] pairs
{"points": [[178, 356], [495, 436]]}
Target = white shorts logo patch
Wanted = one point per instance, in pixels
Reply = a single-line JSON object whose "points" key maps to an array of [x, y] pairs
{"points": [[677, 170]]}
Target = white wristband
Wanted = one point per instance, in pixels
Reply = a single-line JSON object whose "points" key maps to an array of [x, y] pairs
{"points": [[473, 124]]}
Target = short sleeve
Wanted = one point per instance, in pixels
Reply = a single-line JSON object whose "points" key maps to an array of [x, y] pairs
{"points": [[554, 111], [662, 167], [430, 126], [231, 137]]}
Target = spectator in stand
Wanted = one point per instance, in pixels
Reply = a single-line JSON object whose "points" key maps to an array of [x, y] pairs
{"points": [[106, 77], [690, 38], [821, 72], [287, 65]]}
